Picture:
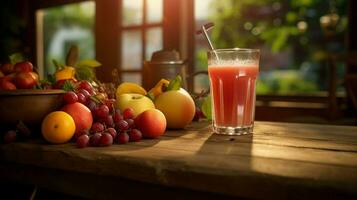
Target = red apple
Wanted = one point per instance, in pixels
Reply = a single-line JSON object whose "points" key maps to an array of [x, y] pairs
{"points": [[25, 80], [81, 115], [24, 66], [7, 68], [7, 85], [151, 123], [59, 84], [9, 77]]}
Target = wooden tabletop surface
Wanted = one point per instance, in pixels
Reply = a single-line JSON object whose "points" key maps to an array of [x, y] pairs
{"points": [[280, 160]]}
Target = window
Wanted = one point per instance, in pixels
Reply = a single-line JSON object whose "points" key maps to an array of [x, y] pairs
{"points": [[141, 31], [58, 28], [296, 39]]}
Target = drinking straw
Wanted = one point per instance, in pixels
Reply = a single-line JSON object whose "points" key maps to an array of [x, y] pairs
{"points": [[204, 29]]}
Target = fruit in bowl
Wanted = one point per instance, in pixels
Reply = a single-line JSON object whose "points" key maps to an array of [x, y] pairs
{"points": [[18, 76]]}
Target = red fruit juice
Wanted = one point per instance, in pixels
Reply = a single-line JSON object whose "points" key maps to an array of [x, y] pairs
{"points": [[233, 94]]}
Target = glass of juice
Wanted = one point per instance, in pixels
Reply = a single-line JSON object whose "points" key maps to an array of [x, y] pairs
{"points": [[233, 74]]}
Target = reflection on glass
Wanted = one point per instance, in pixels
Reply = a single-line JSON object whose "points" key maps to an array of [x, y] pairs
{"points": [[64, 26], [131, 50], [132, 12], [131, 77], [153, 41], [154, 11]]}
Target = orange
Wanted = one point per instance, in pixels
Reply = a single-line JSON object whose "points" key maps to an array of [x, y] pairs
{"points": [[58, 127]]}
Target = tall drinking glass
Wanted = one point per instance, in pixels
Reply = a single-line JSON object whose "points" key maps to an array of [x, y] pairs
{"points": [[233, 74]]}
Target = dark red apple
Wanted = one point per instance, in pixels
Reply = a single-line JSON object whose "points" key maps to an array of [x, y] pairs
{"points": [[59, 84], [9, 77], [81, 115], [7, 68], [25, 80], [7, 85], [24, 66]]}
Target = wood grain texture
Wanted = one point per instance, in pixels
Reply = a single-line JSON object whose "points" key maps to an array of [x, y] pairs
{"points": [[280, 160]]}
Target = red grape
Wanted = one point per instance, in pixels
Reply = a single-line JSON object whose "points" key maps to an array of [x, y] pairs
{"points": [[109, 121], [97, 127], [122, 125], [23, 130], [198, 114], [82, 141], [80, 133], [70, 97], [81, 98], [102, 111], [84, 92], [106, 140], [117, 117], [95, 139], [128, 113], [91, 105], [87, 86], [135, 135], [110, 104], [131, 123], [10, 136], [122, 138], [112, 132]]}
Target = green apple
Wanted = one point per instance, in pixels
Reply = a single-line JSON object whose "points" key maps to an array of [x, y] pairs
{"points": [[138, 102]]}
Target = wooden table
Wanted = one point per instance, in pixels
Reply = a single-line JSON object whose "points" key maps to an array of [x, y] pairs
{"points": [[280, 160]]}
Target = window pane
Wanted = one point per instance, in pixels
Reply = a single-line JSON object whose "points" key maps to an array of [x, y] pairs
{"points": [[64, 26], [132, 12], [154, 11], [296, 39], [131, 50], [153, 41], [131, 77]]}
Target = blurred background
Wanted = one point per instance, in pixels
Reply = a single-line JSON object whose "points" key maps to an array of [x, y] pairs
{"points": [[307, 68]]}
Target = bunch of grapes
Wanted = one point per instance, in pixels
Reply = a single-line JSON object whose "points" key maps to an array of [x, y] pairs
{"points": [[110, 125], [20, 132]]}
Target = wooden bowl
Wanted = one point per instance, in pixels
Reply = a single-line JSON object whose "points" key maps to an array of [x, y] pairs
{"points": [[29, 106]]}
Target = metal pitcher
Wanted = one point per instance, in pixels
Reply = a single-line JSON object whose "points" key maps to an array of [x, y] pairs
{"points": [[164, 64]]}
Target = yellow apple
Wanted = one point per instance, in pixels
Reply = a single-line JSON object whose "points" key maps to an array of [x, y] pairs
{"points": [[177, 106], [138, 102]]}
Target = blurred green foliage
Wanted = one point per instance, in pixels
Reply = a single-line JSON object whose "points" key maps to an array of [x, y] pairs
{"points": [[76, 16], [280, 26]]}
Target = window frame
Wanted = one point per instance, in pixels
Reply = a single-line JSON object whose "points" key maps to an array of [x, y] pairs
{"points": [[178, 33], [143, 28]]}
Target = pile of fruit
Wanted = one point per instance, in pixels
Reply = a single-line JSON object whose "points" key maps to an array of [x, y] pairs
{"points": [[91, 116], [17, 76]]}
